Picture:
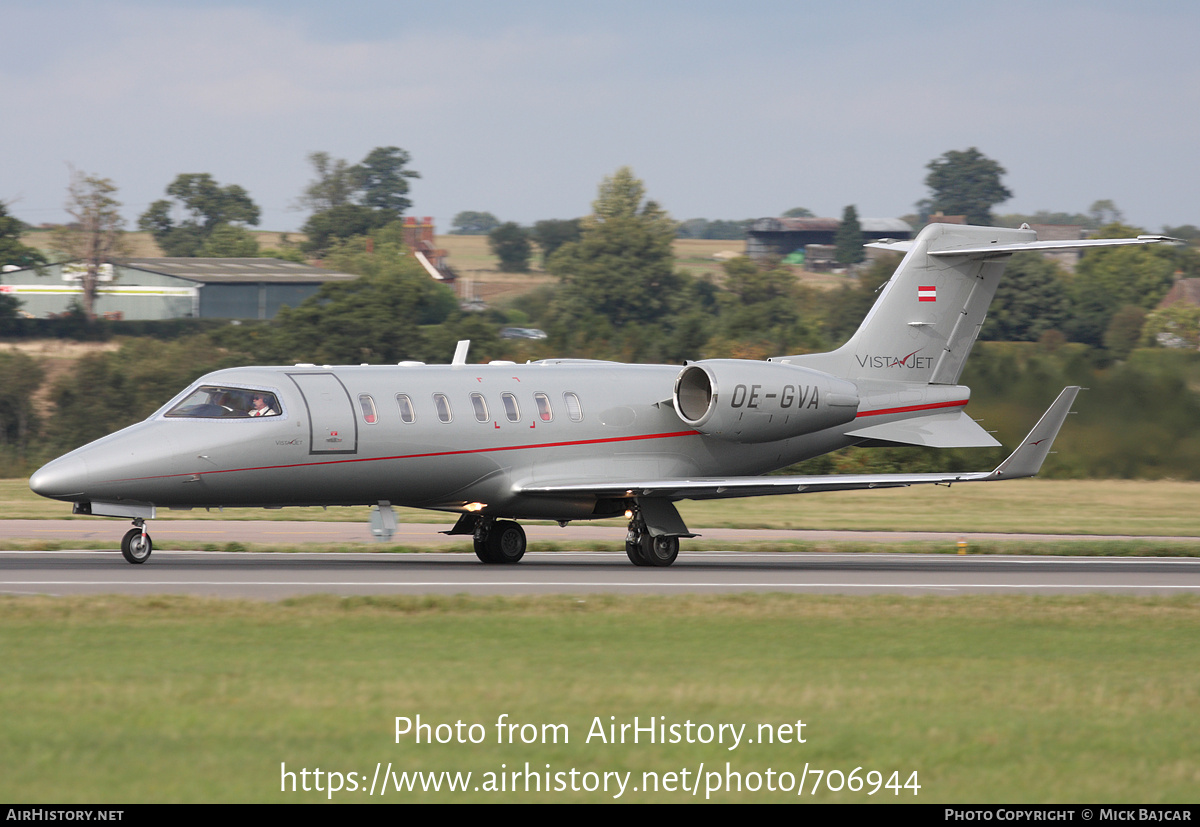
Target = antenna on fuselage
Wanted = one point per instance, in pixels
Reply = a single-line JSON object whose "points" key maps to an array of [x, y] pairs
{"points": [[460, 352]]}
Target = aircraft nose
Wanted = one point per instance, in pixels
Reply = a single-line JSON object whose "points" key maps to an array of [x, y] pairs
{"points": [[63, 479]]}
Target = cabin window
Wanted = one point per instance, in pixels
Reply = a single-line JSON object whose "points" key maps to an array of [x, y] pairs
{"points": [[574, 406], [480, 406], [367, 403], [511, 409], [543, 407], [407, 413], [215, 402], [443, 407]]}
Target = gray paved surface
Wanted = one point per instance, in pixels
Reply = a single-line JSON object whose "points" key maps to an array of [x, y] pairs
{"points": [[274, 576]]}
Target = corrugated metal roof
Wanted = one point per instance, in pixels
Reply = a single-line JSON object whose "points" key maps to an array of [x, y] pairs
{"points": [[235, 270], [791, 225]]}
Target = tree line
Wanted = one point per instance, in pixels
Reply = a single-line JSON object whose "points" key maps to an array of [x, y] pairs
{"points": [[620, 295]]}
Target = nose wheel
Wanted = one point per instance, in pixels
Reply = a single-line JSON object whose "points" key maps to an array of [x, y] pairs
{"points": [[136, 545]]}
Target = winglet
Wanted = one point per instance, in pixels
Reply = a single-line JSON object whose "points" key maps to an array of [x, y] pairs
{"points": [[1027, 460]]}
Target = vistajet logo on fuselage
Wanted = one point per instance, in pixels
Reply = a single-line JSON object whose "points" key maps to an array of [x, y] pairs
{"points": [[912, 361]]}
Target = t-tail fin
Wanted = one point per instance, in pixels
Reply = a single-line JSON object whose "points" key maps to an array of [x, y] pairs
{"points": [[928, 314], [926, 319]]}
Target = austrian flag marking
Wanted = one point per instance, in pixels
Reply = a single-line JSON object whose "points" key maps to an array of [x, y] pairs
{"points": [[927, 293]]}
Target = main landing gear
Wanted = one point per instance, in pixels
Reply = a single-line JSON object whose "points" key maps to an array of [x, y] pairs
{"points": [[499, 541], [136, 545], [503, 541], [644, 550]]}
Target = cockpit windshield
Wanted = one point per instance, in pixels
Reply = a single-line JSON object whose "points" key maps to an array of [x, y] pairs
{"points": [[212, 402]]}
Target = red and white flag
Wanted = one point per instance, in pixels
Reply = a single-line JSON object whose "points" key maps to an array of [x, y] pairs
{"points": [[926, 293]]}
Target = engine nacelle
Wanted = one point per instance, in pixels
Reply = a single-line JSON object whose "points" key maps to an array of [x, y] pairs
{"points": [[744, 401]]}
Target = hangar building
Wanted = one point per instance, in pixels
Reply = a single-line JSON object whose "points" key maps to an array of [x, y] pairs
{"points": [[778, 237], [172, 288]]}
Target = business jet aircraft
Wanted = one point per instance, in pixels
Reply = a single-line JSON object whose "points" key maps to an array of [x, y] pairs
{"points": [[573, 439]]}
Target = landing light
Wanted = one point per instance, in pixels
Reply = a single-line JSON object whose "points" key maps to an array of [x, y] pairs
{"points": [[473, 507]]}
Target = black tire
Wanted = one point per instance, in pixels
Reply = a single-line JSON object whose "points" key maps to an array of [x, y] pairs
{"points": [[660, 551], [483, 552], [136, 546], [634, 552], [506, 542]]}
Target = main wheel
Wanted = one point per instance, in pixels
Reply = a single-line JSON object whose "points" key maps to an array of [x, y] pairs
{"points": [[136, 546], [506, 542], [633, 551], [483, 552], [660, 551]]}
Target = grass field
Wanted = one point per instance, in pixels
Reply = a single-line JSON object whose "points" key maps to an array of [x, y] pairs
{"points": [[1011, 699], [1153, 508]]}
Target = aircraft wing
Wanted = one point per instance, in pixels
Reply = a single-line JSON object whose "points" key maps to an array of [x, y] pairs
{"points": [[1025, 461]]}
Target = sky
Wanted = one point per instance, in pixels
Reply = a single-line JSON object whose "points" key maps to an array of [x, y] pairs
{"points": [[520, 108]]}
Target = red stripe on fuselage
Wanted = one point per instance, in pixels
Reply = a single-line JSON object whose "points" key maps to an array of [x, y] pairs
{"points": [[932, 406]]}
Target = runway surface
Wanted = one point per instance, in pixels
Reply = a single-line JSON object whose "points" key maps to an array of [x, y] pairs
{"points": [[275, 576], [298, 532]]}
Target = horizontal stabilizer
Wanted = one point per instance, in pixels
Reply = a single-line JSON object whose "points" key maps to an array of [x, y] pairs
{"points": [[1049, 246], [987, 250], [948, 430]]}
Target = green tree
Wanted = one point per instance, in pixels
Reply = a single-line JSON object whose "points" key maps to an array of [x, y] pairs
{"points": [[334, 185], [229, 241], [325, 229], [14, 253], [763, 304], [553, 233], [20, 378], [207, 206], [1105, 212], [510, 243], [474, 223], [95, 235], [1105, 280], [1031, 299], [719, 229], [1187, 232], [355, 200], [1176, 326], [799, 212], [965, 183], [622, 268], [383, 180], [377, 317], [1124, 331], [848, 242], [104, 392]]}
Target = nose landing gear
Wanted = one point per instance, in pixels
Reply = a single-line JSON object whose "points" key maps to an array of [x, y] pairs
{"points": [[136, 545]]}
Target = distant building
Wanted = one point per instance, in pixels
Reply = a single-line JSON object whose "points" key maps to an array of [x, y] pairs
{"points": [[173, 288], [1184, 290], [780, 237], [419, 238]]}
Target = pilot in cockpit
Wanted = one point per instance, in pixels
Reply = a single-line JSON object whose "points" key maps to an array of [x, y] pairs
{"points": [[261, 405]]}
